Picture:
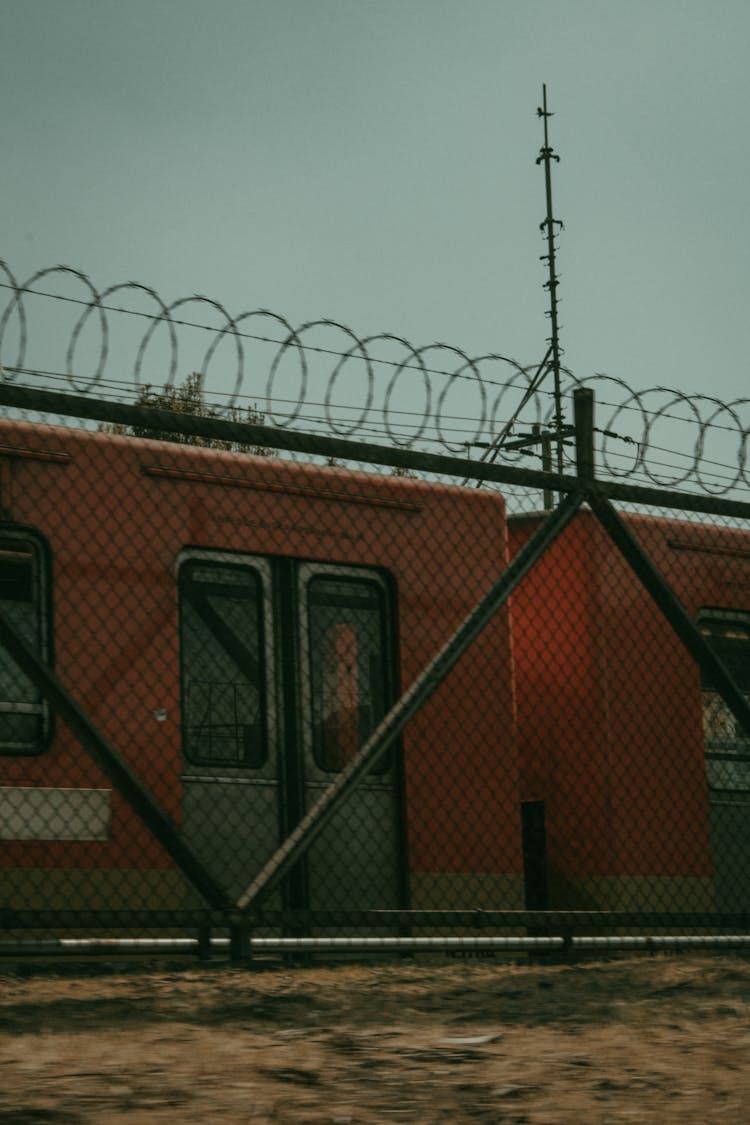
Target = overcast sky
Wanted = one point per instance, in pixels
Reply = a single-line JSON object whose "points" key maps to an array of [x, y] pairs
{"points": [[373, 161]]}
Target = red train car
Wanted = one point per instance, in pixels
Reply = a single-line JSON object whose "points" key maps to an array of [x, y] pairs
{"points": [[632, 763], [235, 625]]}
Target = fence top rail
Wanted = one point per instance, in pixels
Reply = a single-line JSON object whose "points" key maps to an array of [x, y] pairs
{"points": [[14, 396]]}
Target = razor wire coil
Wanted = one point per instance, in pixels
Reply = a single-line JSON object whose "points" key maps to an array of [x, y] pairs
{"points": [[389, 371]]}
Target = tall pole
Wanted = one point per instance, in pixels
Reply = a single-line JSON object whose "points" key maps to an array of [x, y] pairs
{"points": [[546, 156]]}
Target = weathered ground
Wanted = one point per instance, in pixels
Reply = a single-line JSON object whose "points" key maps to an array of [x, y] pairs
{"points": [[653, 1040]]}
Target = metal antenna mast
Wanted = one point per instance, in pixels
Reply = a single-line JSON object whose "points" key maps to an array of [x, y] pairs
{"points": [[546, 156], [552, 356]]}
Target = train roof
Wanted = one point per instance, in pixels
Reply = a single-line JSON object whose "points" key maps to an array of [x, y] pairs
{"points": [[44, 441]]}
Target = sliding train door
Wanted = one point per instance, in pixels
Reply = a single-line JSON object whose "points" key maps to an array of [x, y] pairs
{"points": [[348, 682], [286, 667]]}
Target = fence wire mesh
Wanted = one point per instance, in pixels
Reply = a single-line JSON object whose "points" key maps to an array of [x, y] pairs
{"points": [[235, 626]]}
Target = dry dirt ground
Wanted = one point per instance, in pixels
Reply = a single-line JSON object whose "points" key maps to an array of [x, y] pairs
{"points": [[655, 1040]]}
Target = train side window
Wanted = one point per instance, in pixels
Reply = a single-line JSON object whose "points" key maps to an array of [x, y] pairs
{"points": [[223, 664], [726, 744], [349, 674], [25, 719]]}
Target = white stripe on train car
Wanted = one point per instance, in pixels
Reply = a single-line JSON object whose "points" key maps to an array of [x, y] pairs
{"points": [[32, 813]]}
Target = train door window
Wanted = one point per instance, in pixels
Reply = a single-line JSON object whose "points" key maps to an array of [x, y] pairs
{"points": [[726, 744], [25, 719], [346, 625], [223, 629]]}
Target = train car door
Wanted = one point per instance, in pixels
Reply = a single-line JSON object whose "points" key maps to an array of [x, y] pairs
{"points": [[727, 751], [285, 668]]}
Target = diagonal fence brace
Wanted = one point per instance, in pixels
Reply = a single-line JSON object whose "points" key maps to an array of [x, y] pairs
{"points": [[106, 757], [671, 606], [661, 592], [391, 726]]}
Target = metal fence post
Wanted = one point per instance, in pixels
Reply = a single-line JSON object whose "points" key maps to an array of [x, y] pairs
{"points": [[583, 412]]}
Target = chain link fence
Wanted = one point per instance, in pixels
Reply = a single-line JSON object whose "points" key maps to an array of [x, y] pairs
{"points": [[277, 704]]}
